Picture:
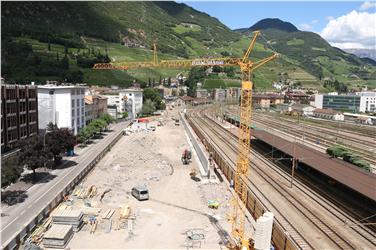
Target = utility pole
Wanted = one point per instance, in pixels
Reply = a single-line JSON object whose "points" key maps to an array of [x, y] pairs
{"points": [[293, 165], [293, 159]]}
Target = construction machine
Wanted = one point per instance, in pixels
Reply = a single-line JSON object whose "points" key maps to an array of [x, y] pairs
{"points": [[246, 66]]}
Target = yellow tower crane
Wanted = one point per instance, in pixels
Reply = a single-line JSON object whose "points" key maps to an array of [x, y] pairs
{"points": [[247, 66]]}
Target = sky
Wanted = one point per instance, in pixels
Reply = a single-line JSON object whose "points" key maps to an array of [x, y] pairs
{"points": [[344, 24]]}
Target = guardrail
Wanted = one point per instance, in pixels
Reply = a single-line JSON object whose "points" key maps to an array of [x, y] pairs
{"points": [[35, 220]]}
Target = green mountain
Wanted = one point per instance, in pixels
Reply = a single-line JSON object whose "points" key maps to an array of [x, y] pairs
{"points": [[36, 36], [314, 54], [62, 40]]}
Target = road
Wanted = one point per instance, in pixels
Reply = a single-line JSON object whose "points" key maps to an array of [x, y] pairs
{"points": [[41, 194]]}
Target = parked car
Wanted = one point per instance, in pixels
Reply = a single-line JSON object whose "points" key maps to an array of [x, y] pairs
{"points": [[141, 193]]}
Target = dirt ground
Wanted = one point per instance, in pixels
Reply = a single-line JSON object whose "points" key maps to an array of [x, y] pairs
{"points": [[177, 203]]}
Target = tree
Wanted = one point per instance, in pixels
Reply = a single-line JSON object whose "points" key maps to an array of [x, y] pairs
{"points": [[100, 124], [124, 115], [108, 118], [148, 107], [34, 154], [154, 96], [58, 141], [181, 92], [64, 63], [216, 69], [84, 135], [196, 74], [49, 45]]}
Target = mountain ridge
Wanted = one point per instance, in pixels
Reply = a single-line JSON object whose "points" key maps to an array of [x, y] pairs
{"points": [[62, 40]]}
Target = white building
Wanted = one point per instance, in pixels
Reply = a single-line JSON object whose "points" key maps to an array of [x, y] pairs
{"points": [[126, 100], [367, 101], [220, 95], [62, 105]]}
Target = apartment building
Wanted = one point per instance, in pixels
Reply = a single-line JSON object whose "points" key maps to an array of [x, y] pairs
{"points": [[19, 113], [63, 105], [126, 100]]}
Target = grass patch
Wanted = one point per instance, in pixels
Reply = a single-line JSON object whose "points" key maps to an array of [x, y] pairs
{"points": [[295, 42], [186, 27]]}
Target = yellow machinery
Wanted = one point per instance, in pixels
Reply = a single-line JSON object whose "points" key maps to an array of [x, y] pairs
{"points": [[247, 66]]}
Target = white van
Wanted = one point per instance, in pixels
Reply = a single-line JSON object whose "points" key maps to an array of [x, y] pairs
{"points": [[141, 193]]}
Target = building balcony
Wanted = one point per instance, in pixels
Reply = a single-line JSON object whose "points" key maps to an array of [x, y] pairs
{"points": [[12, 128], [11, 100]]}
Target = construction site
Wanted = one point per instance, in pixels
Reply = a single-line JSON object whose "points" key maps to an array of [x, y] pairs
{"points": [[101, 211], [200, 177]]}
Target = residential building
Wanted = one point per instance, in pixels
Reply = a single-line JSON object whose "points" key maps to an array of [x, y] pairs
{"points": [[126, 100], [19, 113], [62, 105], [99, 105], [201, 101], [297, 97], [183, 101], [338, 102], [112, 110], [220, 95], [201, 93], [328, 114], [266, 100], [233, 94], [89, 106], [367, 101]]}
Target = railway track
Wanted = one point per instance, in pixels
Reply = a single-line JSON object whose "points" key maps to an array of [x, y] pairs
{"points": [[282, 220], [327, 229], [322, 137], [345, 139], [343, 216]]}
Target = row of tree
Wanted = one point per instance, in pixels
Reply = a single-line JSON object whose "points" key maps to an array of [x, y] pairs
{"points": [[94, 127], [44, 150]]}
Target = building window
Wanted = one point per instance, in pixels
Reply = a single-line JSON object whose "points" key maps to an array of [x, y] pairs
{"points": [[78, 112], [82, 111], [78, 122], [82, 102], [72, 123], [72, 112], [72, 103], [78, 102]]}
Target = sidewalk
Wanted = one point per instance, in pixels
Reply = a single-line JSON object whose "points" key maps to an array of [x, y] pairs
{"points": [[16, 191]]}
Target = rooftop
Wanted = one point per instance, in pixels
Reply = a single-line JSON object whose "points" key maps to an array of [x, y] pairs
{"points": [[51, 86]]}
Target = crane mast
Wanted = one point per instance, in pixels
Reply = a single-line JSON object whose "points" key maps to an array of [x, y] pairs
{"points": [[247, 66]]}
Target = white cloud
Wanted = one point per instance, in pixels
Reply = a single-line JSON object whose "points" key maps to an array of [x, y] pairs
{"points": [[315, 21], [367, 5], [305, 26], [328, 18], [353, 29]]}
